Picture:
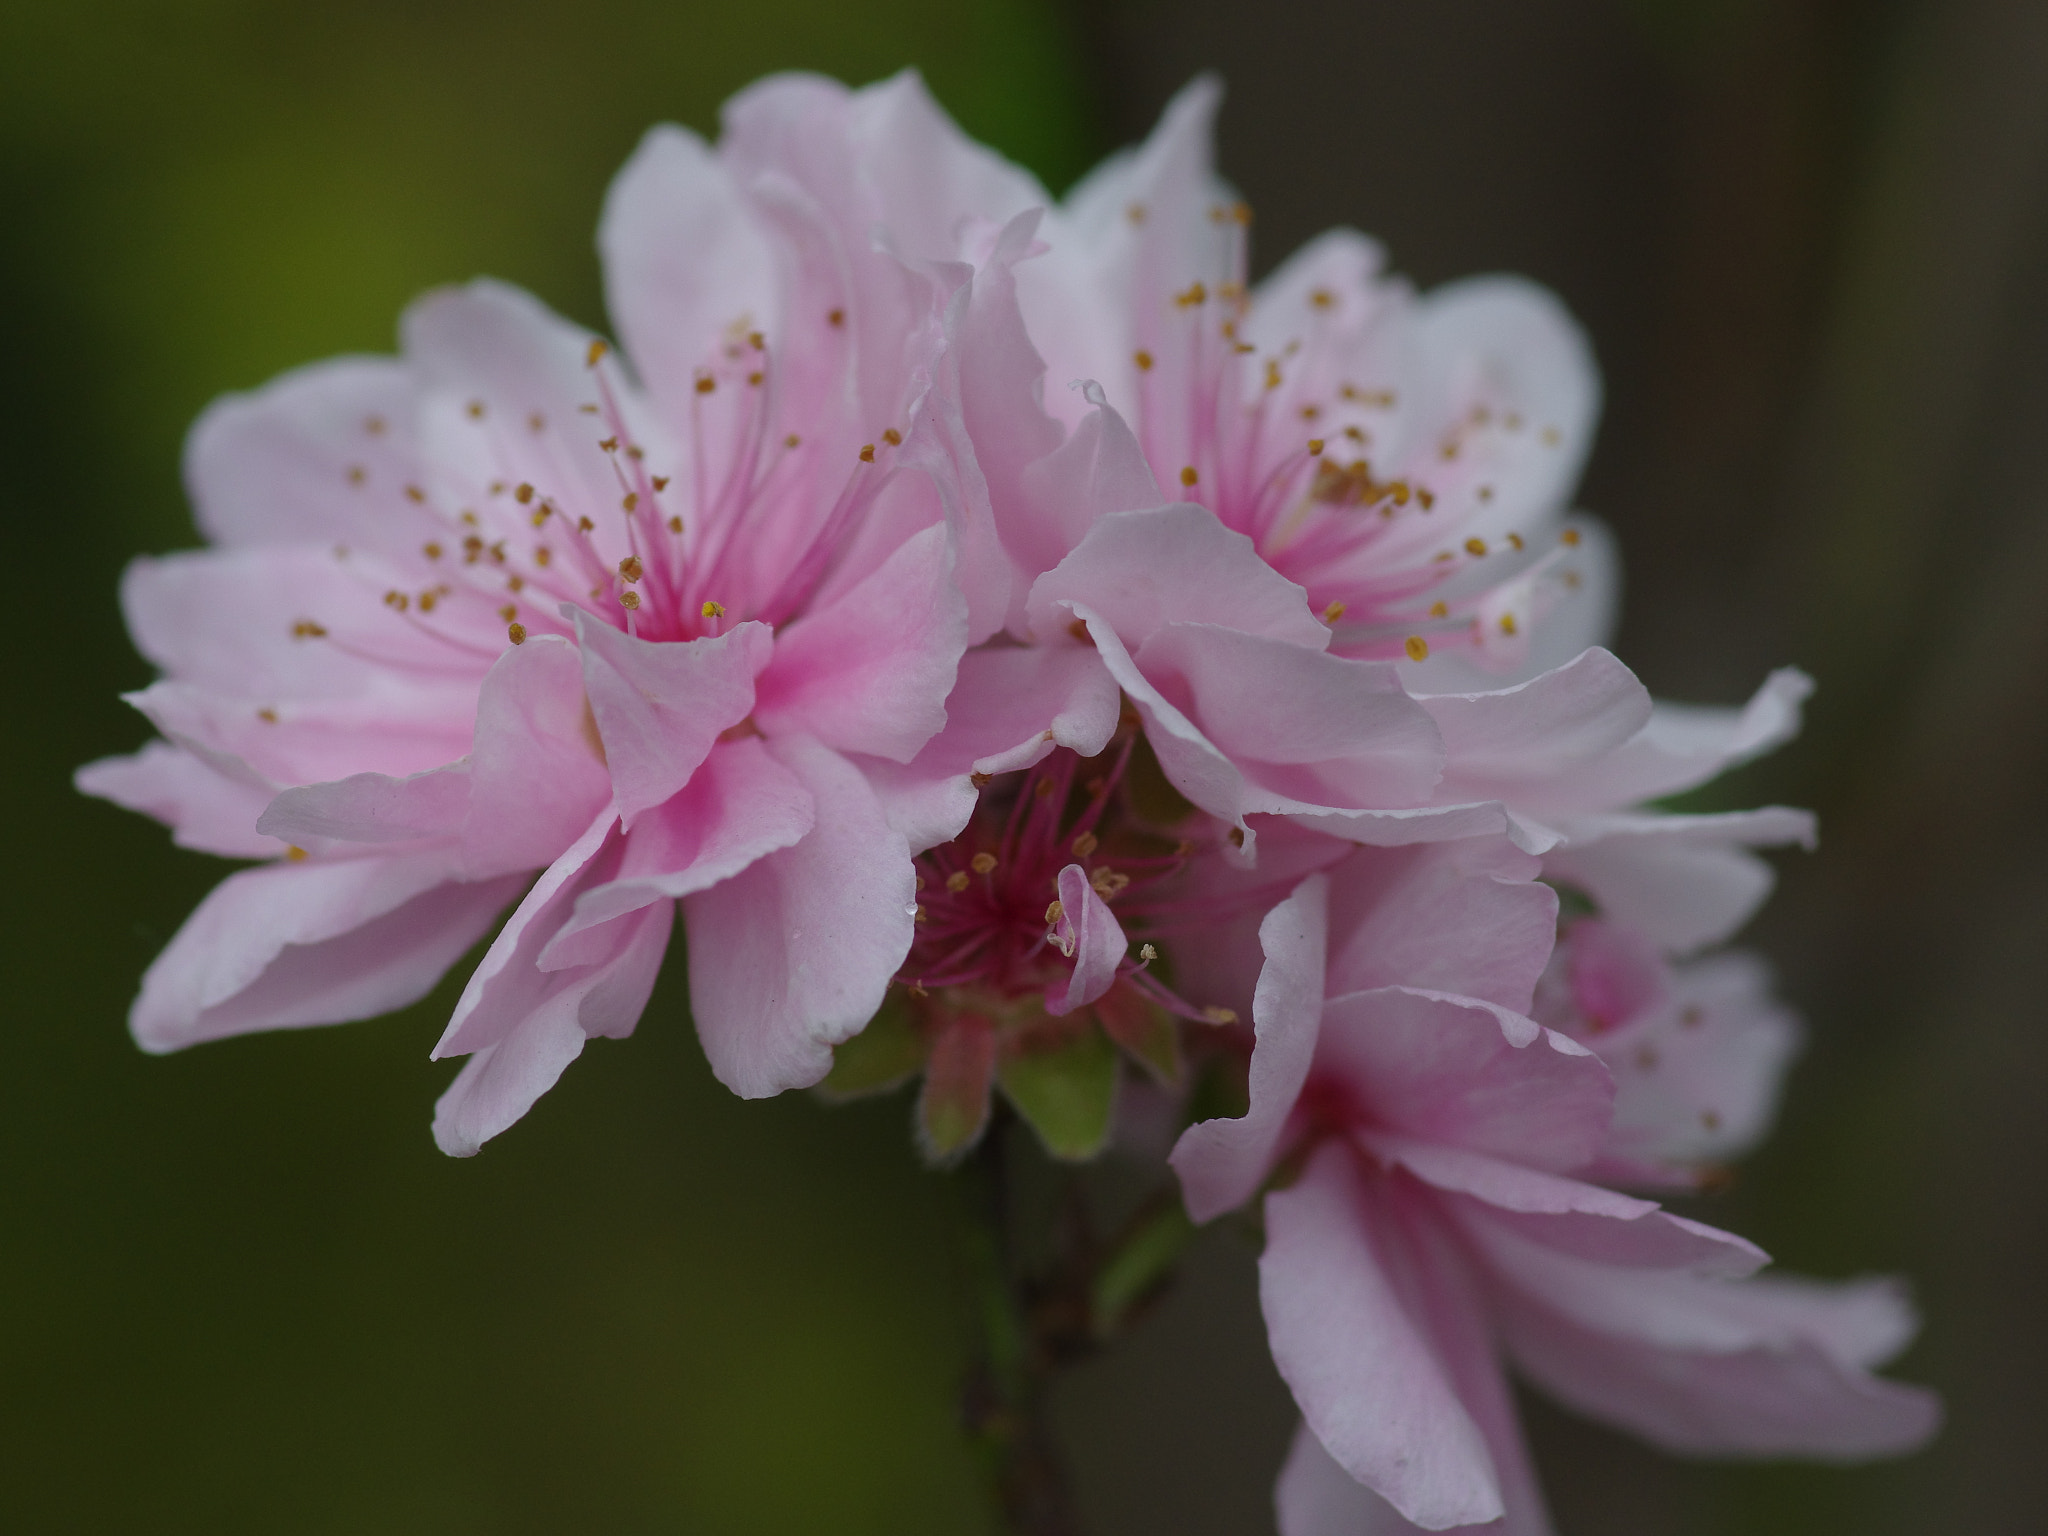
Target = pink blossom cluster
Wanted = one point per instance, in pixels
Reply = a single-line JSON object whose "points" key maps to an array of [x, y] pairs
{"points": [[995, 620]]}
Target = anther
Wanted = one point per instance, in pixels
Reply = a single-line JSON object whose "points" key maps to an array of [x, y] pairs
{"points": [[509, 612], [516, 633], [1416, 647], [309, 629], [357, 474], [541, 513], [836, 317], [536, 423], [1515, 541], [1322, 298], [608, 444], [675, 525], [791, 441], [1109, 883], [427, 601], [1569, 536], [397, 599], [630, 500], [867, 453], [584, 525], [1552, 437], [1507, 623], [1315, 447], [631, 569], [543, 555], [712, 610], [1143, 359], [892, 437], [756, 377], [661, 482], [267, 715], [374, 425], [1147, 954], [982, 863], [476, 410], [1475, 546], [1216, 1014], [1486, 493], [629, 599], [515, 583], [1086, 844], [1195, 294], [295, 854], [524, 494], [1334, 612], [431, 551], [957, 881], [1188, 475], [589, 408], [598, 348], [1438, 609], [1055, 912], [706, 384]]}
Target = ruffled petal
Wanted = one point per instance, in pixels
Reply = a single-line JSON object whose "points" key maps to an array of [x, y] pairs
{"points": [[1098, 941], [205, 809]]}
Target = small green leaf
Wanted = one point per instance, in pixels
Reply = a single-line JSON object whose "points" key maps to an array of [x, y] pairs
{"points": [[1141, 1262], [888, 1052], [1066, 1088]]}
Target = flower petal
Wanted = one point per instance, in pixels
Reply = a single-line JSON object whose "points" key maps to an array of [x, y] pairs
{"points": [[1098, 939], [204, 808], [795, 953]]}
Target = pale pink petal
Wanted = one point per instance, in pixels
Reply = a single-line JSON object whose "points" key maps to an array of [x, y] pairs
{"points": [[1362, 1367], [1140, 570], [1686, 881], [1683, 746], [870, 673], [1717, 1367], [502, 1081], [1698, 1079], [660, 706], [537, 771], [1522, 739], [685, 262], [1098, 470], [1221, 1163], [373, 808], [1304, 724], [1457, 1072], [794, 954], [1316, 1497], [321, 942], [1098, 944], [508, 984], [741, 805], [275, 466], [1406, 917], [204, 808]]}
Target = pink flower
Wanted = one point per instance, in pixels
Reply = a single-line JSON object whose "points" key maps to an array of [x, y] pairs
{"points": [[1418, 1137], [666, 633]]}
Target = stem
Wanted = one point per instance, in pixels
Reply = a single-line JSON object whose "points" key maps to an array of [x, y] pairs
{"points": [[1002, 1401]]}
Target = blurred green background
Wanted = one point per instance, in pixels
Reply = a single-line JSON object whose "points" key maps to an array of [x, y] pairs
{"points": [[241, 1292]]}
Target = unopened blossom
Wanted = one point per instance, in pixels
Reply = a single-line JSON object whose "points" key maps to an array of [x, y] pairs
{"points": [[653, 625], [1420, 1147]]}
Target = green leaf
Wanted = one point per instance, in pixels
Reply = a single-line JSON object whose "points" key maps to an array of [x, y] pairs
{"points": [[1140, 1264], [885, 1054], [1066, 1089]]}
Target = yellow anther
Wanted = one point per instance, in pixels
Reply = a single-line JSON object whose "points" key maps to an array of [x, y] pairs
{"points": [[631, 568], [1216, 1014], [867, 453], [540, 514], [706, 384], [516, 633], [374, 425], [608, 444], [660, 482], [1315, 447], [1143, 359], [1188, 475], [675, 525], [509, 612], [1135, 213], [756, 377], [1272, 374], [791, 441], [1416, 647], [536, 423], [308, 629], [397, 599], [1195, 294], [584, 525], [836, 317], [1569, 536], [543, 555], [982, 863], [431, 550], [267, 715], [1507, 624], [712, 610], [1334, 612], [757, 341], [515, 583], [1475, 546], [1515, 541], [295, 854], [427, 601], [524, 494], [629, 599], [588, 408], [1438, 609], [1241, 212], [1108, 883], [598, 348], [476, 410], [1147, 954], [1552, 437], [630, 500], [957, 881], [1086, 844], [892, 437], [1322, 298]]}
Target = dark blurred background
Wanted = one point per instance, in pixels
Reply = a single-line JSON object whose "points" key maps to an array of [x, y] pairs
{"points": [[241, 1292]]}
